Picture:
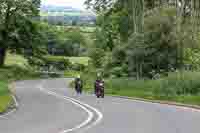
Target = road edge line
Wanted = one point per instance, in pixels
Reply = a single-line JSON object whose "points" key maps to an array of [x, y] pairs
{"points": [[191, 107], [4, 115]]}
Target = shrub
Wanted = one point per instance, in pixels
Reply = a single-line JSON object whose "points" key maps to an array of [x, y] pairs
{"points": [[118, 72], [97, 55]]}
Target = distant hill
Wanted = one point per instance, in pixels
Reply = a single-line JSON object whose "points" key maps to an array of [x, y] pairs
{"points": [[66, 15], [50, 8]]}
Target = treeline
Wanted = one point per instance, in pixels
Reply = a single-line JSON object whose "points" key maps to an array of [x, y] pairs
{"points": [[141, 38]]}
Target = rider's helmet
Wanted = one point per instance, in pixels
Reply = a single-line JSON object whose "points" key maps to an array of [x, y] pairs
{"points": [[78, 77], [99, 76]]}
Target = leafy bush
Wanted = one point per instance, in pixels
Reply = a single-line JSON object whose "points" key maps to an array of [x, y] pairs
{"points": [[97, 55], [118, 72]]}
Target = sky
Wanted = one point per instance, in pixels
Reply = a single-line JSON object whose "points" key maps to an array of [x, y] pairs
{"points": [[73, 3]]}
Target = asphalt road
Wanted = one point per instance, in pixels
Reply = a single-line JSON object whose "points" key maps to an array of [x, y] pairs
{"points": [[48, 106]]}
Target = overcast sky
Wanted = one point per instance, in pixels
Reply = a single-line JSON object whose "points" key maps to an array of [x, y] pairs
{"points": [[73, 3]]}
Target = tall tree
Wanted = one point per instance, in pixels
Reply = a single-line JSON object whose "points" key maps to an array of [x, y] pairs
{"points": [[16, 23]]}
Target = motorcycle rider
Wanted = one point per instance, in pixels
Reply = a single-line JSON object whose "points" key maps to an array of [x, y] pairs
{"points": [[99, 86], [78, 85]]}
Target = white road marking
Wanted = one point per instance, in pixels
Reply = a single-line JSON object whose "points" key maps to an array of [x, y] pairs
{"points": [[12, 111], [15, 100], [83, 106], [181, 108], [7, 114], [100, 115]]}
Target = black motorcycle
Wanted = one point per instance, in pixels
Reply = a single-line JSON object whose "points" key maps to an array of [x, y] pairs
{"points": [[99, 89]]}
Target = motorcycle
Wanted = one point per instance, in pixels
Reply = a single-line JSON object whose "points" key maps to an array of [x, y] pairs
{"points": [[79, 87], [100, 89]]}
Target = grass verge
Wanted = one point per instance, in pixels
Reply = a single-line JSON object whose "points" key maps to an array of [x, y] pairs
{"points": [[181, 88], [16, 68], [5, 97], [5, 101], [8, 75]]}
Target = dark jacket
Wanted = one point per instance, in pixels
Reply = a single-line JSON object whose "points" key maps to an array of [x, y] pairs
{"points": [[78, 83]]}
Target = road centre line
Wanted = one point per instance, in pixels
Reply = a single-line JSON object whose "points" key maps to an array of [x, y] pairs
{"points": [[81, 105]]}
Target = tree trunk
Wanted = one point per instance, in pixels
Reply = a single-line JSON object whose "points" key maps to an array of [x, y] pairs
{"points": [[2, 56]]}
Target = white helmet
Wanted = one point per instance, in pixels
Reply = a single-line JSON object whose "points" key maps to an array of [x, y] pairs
{"points": [[98, 74], [78, 76]]}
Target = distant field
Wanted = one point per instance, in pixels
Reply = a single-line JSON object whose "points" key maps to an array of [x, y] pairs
{"points": [[63, 14], [79, 60], [88, 29], [84, 29]]}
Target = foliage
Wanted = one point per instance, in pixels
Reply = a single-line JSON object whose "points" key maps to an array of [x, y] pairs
{"points": [[158, 48], [192, 58], [17, 28], [97, 56], [66, 41]]}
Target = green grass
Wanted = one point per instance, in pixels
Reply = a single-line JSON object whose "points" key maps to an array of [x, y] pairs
{"points": [[5, 100], [194, 100], [71, 74], [179, 88], [5, 97], [79, 60], [3, 88]]}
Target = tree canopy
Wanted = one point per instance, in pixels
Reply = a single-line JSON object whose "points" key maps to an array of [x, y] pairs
{"points": [[17, 26], [153, 35]]}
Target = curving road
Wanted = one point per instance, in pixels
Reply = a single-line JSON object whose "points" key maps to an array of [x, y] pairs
{"points": [[48, 106]]}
